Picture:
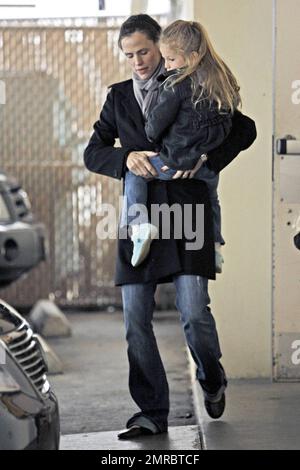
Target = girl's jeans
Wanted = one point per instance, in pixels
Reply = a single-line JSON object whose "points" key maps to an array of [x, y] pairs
{"points": [[136, 193], [147, 378]]}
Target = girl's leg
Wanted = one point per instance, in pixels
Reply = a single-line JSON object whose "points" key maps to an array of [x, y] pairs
{"points": [[136, 193], [157, 163], [135, 198], [136, 216], [216, 210], [219, 241], [212, 180]]}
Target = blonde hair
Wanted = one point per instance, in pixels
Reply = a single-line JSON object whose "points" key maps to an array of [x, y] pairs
{"points": [[211, 77]]}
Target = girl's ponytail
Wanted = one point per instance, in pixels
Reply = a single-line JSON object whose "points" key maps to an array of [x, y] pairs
{"points": [[211, 77]]}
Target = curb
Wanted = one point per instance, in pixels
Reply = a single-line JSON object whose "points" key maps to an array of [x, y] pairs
{"points": [[197, 401]]}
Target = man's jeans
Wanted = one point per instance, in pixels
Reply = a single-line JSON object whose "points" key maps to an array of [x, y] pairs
{"points": [[136, 194], [147, 378]]}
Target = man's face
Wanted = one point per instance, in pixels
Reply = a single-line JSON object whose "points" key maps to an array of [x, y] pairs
{"points": [[142, 54]]}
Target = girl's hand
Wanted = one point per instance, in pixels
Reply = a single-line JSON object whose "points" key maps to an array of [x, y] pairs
{"points": [[138, 163]]}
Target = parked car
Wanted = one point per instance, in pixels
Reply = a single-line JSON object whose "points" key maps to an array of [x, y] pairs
{"points": [[29, 415], [22, 239]]}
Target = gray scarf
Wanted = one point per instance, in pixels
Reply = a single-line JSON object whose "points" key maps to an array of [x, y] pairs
{"points": [[146, 91]]}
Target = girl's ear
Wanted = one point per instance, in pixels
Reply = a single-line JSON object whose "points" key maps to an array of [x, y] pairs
{"points": [[194, 57]]}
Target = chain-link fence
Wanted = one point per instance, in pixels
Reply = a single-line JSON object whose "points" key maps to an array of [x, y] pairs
{"points": [[56, 77]]}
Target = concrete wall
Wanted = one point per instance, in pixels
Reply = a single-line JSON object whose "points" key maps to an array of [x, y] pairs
{"points": [[241, 31]]}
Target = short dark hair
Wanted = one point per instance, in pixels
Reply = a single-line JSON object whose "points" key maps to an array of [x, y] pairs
{"points": [[143, 24]]}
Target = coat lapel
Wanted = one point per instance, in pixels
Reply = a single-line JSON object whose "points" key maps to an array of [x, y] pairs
{"points": [[132, 109]]}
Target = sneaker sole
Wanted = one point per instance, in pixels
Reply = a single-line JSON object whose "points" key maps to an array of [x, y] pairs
{"points": [[145, 250]]}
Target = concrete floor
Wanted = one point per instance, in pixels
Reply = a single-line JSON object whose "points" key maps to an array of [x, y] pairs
{"points": [[93, 391], [177, 438], [259, 415], [95, 402]]}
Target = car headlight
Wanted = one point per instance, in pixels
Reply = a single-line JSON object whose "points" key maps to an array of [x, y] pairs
{"points": [[4, 214]]}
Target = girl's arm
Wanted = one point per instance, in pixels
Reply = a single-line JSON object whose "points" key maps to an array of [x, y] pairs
{"points": [[163, 115]]}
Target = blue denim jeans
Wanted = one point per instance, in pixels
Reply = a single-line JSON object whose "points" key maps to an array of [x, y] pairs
{"points": [[147, 378], [136, 193]]}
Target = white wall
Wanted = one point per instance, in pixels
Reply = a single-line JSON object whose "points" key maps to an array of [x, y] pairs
{"points": [[241, 31]]}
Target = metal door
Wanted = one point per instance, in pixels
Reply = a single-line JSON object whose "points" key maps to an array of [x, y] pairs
{"points": [[286, 174]]}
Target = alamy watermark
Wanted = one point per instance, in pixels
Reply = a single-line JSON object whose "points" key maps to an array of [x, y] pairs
{"points": [[296, 93], [295, 358], [176, 221], [2, 92]]}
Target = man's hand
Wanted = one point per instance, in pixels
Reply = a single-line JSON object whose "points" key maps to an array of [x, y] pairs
{"points": [[138, 163], [178, 174], [185, 174]]}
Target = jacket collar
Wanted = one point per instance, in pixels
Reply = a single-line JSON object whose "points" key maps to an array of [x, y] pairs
{"points": [[163, 76], [133, 110]]}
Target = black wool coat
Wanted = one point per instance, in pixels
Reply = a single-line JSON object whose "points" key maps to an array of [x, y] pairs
{"points": [[121, 118]]}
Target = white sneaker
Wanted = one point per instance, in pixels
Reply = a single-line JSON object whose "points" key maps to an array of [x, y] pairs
{"points": [[142, 236], [219, 260]]}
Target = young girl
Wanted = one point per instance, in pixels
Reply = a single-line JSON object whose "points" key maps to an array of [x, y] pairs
{"points": [[197, 98]]}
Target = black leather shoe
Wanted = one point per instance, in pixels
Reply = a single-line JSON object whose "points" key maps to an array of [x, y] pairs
{"points": [[134, 431], [215, 408], [215, 402]]}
